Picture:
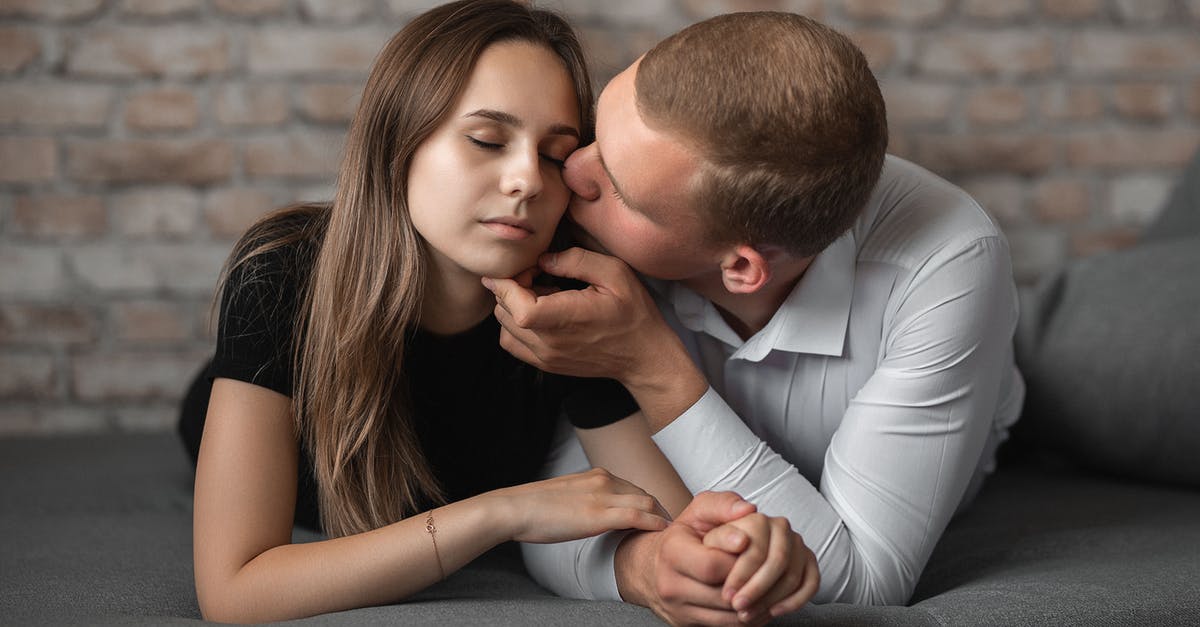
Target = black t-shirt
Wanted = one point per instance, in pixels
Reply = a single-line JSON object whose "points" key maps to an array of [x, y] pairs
{"points": [[484, 418]]}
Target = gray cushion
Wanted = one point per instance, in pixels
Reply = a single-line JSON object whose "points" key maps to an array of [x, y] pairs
{"points": [[1180, 216], [1046, 545], [97, 530], [1110, 350]]}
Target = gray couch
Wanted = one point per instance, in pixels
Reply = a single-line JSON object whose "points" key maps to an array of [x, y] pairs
{"points": [[1092, 519]]}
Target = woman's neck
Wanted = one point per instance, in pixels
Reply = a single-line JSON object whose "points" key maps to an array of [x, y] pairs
{"points": [[454, 300]]}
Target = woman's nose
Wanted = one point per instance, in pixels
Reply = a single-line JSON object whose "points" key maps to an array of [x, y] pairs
{"points": [[579, 172], [523, 176]]}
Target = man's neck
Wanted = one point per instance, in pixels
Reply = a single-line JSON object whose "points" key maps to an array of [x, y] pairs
{"points": [[747, 314]]}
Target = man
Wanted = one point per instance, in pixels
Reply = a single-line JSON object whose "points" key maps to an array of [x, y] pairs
{"points": [[834, 342]]}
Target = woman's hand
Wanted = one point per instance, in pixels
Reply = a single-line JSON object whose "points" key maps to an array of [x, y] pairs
{"points": [[775, 573], [577, 506]]}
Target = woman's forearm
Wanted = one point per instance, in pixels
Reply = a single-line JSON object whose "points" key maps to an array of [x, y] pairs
{"points": [[388, 564], [626, 449], [247, 570], [377, 567]]}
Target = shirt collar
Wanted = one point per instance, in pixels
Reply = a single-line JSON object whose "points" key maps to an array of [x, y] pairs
{"points": [[813, 319]]}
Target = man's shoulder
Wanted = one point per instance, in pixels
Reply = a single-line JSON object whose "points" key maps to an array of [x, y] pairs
{"points": [[913, 214]]}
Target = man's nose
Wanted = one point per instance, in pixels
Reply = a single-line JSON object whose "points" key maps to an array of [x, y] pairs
{"points": [[579, 172]]}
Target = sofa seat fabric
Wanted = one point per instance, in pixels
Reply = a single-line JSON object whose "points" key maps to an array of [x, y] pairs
{"points": [[97, 530]]}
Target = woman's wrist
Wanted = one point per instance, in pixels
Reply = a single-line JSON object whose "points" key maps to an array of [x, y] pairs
{"points": [[500, 514]]}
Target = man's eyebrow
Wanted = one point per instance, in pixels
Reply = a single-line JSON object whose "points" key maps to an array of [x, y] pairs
{"points": [[508, 119]]}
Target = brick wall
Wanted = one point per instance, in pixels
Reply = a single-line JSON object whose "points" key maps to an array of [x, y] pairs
{"points": [[138, 138]]}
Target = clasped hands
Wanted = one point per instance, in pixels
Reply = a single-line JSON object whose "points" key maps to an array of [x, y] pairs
{"points": [[719, 563]]}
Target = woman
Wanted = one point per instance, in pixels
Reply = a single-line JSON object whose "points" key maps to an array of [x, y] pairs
{"points": [[357, 353]]}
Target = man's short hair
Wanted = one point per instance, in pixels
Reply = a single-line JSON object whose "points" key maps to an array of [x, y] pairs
{"points": [[786, 116]]}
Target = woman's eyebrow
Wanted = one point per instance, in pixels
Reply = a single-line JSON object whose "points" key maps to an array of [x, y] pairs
{"points": [[508, 119]]}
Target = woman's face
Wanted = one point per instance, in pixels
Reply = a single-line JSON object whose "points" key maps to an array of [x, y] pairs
{"points": [[486, 190]]}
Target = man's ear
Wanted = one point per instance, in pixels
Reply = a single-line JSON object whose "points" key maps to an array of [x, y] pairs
{"points": [[744, 270]]}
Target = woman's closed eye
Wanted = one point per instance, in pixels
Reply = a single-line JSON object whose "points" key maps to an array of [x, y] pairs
{"points": [[484, 145]]}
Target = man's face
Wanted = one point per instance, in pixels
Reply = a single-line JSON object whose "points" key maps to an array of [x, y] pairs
{"points": [[631, 189]]}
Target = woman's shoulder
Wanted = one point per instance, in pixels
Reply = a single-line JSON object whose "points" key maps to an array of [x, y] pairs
{"points": [[282, 241], [270, 265], [267, 273]]}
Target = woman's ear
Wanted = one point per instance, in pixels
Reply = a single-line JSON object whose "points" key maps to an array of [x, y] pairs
{"points": [[744, 270]]}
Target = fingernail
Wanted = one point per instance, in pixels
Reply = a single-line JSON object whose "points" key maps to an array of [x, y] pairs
{"points": [[740, 603], [488, 283], [744, 617], [727, 594], [550, 259]]}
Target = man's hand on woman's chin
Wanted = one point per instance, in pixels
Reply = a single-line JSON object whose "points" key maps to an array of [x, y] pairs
{"points": [[682, 573], [610, 329]]}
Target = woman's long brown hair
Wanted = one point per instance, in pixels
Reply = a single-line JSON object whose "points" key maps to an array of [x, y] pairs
{"points": [[363, 298]]}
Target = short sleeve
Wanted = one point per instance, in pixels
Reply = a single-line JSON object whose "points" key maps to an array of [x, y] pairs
{"points": [[257, 322], [592, 403]]}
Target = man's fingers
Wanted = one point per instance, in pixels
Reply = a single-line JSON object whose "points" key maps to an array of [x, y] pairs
{"points": [[786, 596], [512, 296], [778, 559], [533, 308], [727, 538], [743, 569], [525, 278], [807, 590], [794, 588], [709, 510], [709, 566], [590, 267], [514, 345], [797, 599], [689, 592]]}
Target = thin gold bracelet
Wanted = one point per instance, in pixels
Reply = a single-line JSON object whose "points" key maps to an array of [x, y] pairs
{"points": [[429, 527]]}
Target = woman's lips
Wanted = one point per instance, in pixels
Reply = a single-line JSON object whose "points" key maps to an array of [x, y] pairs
{"points": [[508, 228]]}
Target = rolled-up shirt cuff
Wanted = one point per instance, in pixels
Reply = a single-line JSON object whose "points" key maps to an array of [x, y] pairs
{"points": [[597, 566], [706, 442]]}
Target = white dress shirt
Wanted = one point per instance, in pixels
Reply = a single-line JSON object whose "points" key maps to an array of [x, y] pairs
{"points": [[866, 410]]}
